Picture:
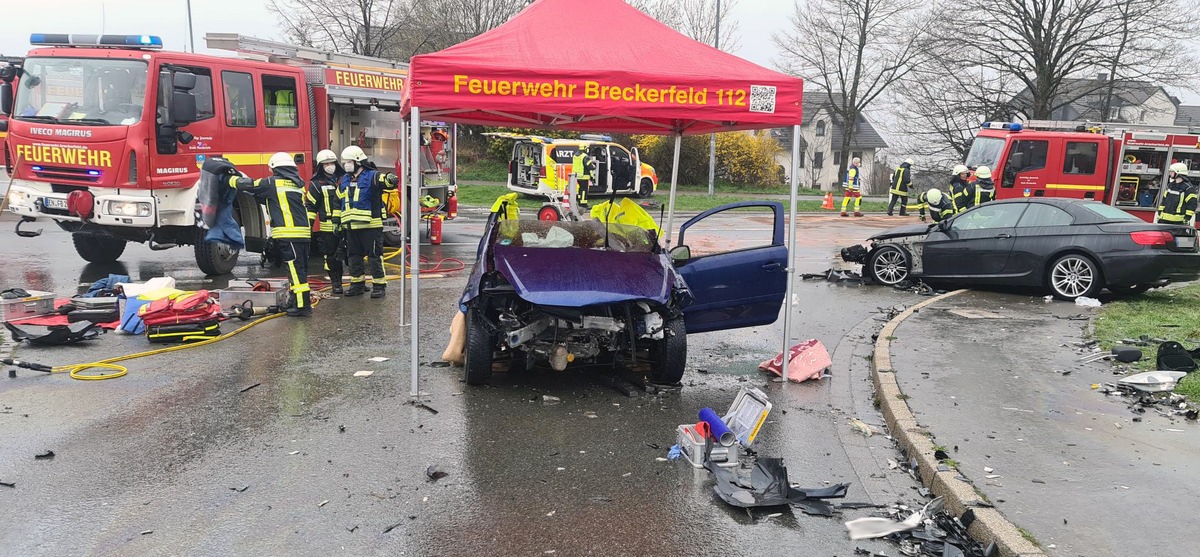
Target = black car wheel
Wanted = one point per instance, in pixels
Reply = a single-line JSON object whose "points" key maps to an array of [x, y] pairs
{"points": [[97, 249], [645, 188], [889, 265], [477, 364], [670, 354], [1074, 275], [1128, 289]]}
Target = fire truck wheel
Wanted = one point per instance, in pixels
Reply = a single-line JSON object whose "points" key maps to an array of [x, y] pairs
{"points": [[670, 353], [481, 343], [646, 188], [214, 258], [95, 249]]}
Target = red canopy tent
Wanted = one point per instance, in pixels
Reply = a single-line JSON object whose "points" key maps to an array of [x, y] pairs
{"points": [[596, 65]]}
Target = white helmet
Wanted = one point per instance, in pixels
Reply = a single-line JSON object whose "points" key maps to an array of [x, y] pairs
{"points": [[856, 161], [908, 162], [326, 156], [1179, 168], [280, 159], [934, 196], [983, 172], [960, 169], [353, 153]]}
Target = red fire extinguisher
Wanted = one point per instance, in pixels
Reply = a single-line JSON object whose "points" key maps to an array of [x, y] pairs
{"points": [[435, 230], [452, 206]]}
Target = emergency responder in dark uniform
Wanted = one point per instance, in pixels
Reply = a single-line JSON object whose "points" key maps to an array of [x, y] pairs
{"points": [[362, 188], [853, 188], [961, 188], [940, 205], [325, 205], [283, 194], [984, 188], [898, 189], [1178, 205]]}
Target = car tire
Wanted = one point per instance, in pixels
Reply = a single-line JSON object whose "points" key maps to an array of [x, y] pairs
{"points": [[549, 212], [96, 249], [670, 354], [645, 188], [1074, 275], [889, 265], [477, 361], [1129, 289], [214, 258]]}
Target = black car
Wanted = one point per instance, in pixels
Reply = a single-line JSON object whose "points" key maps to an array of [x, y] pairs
{"points": [[1076, 248]]}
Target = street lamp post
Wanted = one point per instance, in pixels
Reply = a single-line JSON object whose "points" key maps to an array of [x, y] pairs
{"points": [[191, 40], [712, 140]]}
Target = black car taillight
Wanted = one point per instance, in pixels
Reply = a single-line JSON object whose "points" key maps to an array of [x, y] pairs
{"points": [[1152, 237]]}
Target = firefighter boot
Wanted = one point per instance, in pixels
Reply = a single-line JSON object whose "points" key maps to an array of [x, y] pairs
{"points": [[378, 290], [356, 289], [845, 214], [294, 310], [857, 214], [336, 282]]}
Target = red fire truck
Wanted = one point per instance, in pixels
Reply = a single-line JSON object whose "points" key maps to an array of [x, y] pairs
{"points": [[1124, 165], [107, 133]]}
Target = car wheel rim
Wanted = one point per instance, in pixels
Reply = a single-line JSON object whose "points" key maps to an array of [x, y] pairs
{"points": [[890, 267], [1072, 277]]}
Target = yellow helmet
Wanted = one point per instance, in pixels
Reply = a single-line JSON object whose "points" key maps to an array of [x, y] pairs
{"points": [[280, 159]]}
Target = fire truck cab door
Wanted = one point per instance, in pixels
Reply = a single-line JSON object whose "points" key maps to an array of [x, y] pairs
{"points": [[1025, 165]]}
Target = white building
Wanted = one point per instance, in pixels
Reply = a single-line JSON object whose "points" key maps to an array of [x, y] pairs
{"points": [[820, 144]]}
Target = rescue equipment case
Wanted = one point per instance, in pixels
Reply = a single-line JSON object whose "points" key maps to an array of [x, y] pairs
{"points": [[162, 334], [37, 303]]}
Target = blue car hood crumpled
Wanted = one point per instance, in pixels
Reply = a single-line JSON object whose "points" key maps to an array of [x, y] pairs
{"points": [[583, 277]]}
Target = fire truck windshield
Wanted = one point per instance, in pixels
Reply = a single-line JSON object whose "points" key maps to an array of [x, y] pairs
{"points": [[81, 91], [985, 151]]}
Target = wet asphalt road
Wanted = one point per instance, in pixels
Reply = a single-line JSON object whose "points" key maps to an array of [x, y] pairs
{"points": [[1070, 464], [178, 458]]}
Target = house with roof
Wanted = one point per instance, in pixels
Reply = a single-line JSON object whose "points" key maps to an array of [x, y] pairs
{"points": [[1133, 102], [820, 145], [1187, 116]]}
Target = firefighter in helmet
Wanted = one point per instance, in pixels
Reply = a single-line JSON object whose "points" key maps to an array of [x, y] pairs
{"points": [[901, 182], [961, 190], [325, 205], [1178, 205], [940, 205], [362, 187], [852, 188], [985, 188], [283, 194]]}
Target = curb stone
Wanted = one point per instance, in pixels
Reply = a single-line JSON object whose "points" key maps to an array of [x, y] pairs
{"points": [[916, 442]]}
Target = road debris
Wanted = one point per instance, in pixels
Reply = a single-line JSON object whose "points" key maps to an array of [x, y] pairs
{"points": [[1087, 302], [44, 456], [323, 503], [244, 389], [547, 399], [240, 489], [378, 359], [435, 473], [8, 484], [364, 373], [862, 427], [423, 406]]}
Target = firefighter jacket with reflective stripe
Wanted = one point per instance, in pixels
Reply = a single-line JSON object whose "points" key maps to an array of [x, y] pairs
{"points": [[325, 201], [942, 210], [284, 198], [985, 190], [852, 176], [901, 180], [1178, 203], [961, 194], [580, 166], [363, 195]]}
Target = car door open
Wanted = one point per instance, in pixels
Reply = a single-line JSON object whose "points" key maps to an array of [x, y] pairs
{"points": [[737, 281]]}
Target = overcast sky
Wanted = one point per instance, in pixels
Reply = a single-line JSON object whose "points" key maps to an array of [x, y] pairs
{"points": [[757, 20]]}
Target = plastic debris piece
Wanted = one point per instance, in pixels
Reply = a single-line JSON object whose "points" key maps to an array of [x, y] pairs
{"points": [[547, 399], [806, 360], [1087, 302], [1153, 381], [323, 503], [877, 527], [435, 473], [244, 389], [988, 469], [378, 359], [8, 484], [861, 427], [675, 452], [364, 373], [44, 456]]}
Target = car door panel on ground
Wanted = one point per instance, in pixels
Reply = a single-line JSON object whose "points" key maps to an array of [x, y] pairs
{"points": [[739, 284], [976, 243], [1041, 230]]}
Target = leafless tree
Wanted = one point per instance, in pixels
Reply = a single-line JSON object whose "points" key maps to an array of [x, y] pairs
{"points": [[349, 26], [696, 19], [1162, 56], [853, 51]]}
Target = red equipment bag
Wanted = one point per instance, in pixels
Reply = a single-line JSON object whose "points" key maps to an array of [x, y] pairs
{"points": [[81, 203], [182, 309]]}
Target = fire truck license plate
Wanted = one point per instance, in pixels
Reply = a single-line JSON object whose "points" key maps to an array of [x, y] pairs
{"points": [[1185, 241], [54, 203]]}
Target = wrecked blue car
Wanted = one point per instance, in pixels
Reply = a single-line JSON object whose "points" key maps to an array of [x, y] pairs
{"points": [[566, 292]]}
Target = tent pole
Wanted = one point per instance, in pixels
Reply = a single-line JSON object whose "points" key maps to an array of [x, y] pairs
{"points": [[414, 214], [401, 137], [791, 254], [674, 178]]}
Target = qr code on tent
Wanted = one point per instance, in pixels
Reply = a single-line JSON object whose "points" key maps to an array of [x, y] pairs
{"points": [[762, 98]]}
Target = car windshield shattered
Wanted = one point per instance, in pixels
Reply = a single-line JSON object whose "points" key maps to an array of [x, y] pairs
{"points": [[567, 234]]}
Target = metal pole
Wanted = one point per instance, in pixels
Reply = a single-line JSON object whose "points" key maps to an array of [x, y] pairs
{"points": [[712, 141], [415, 245], [191, 40], [402, 138], [674, 178], [791, 254]]}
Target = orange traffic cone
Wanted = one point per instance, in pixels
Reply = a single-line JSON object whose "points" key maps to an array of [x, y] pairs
{"points": [[828, 204]]}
